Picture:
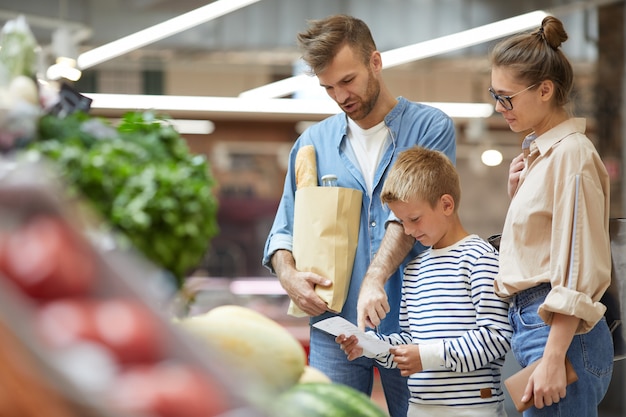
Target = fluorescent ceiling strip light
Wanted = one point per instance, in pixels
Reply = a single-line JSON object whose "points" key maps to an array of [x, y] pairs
{"points": [[318, 107], [463, 39], [159, 31], [186, 126], [416, 51]]}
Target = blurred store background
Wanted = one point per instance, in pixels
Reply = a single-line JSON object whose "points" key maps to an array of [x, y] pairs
{"points": [[205, 74]]}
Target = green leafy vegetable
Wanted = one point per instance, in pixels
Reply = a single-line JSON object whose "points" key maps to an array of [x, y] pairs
{"points": [[140, 177]]}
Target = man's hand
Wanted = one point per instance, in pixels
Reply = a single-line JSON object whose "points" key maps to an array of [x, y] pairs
{"points": [[373, 305], [515, 170], [300, 286], [408, 359]]}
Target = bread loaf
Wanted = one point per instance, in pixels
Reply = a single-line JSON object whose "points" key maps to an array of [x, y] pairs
{"points": [[306, 167]]}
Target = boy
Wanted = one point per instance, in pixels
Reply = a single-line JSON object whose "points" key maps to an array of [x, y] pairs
{"points": [[455, 330]]}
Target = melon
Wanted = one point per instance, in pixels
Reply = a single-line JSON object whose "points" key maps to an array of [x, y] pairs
{"points": [[312, 374], [252, 343], [319, 399]]}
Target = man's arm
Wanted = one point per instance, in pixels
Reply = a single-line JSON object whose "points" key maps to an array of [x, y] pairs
{"points": [[300, 286], [372, 305]]}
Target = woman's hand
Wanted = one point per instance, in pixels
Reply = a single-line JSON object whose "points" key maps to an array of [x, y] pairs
{"points": [[547, 383], [515, 170]]}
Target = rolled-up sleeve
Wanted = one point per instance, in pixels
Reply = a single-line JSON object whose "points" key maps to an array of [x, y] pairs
{"points": [[580, 248]]}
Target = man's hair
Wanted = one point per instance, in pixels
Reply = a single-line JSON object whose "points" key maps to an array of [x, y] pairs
{"points": [[423, 174], [324, 37]]}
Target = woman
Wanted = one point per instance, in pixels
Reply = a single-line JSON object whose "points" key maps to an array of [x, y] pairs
{"points": [[555, 259]]}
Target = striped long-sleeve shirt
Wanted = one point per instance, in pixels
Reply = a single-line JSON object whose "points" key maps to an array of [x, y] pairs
{"points": [[450, 310]]}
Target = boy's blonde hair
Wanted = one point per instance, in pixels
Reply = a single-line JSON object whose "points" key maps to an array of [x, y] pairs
{"points": [[423, 174]]}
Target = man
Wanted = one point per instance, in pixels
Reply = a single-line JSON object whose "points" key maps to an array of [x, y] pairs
{"points": [[359, 146]]}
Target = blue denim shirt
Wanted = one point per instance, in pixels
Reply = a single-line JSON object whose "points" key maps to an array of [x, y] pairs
{"points": [[409, 124]]}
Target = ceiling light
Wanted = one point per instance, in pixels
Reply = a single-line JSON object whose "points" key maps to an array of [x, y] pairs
{"points": [[185, 126], [63, 68], [211, 104], [159, 31], [491, 157], [414, 52], [462, 39], [464, 110], [238, 105], [193, 127]]}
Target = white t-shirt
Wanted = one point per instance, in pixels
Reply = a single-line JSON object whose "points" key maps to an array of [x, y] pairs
{"points": [[367, 145]]}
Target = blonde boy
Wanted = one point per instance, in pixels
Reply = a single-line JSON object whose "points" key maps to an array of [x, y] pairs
{"points": [[454, 329]]}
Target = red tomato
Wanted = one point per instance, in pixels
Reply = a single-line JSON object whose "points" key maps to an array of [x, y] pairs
{"points": [[46, 260], [168, 389], [126, 327], [129, 329]]}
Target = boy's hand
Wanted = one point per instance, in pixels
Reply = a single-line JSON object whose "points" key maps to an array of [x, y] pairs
{"points": [[350, 345], [408, 359]]}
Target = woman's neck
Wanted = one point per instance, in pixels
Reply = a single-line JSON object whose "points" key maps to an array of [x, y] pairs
{"points": [[552, 120]]}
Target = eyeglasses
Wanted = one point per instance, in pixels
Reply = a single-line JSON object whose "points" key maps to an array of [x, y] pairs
{"points": [[505, 101]]}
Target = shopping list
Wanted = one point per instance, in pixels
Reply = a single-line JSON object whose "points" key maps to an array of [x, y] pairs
{"points": [[336, 325]]}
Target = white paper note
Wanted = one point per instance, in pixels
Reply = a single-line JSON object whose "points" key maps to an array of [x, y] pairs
{"points": [[336, 325]]}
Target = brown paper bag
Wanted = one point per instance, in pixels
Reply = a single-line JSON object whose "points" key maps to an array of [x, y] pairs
{"points": [[325, 237]]}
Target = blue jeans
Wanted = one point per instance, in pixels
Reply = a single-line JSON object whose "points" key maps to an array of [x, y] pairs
{"points": [[327, 356], [591, 354]]}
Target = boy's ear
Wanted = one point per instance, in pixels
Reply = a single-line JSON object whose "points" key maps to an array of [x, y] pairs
{"points": [[447, 203]]}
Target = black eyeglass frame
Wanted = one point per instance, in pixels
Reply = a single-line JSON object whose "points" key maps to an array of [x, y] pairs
{"points": [[505, 101]]}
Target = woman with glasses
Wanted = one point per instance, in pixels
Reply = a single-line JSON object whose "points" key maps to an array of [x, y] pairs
{"points": [[555, 259]]}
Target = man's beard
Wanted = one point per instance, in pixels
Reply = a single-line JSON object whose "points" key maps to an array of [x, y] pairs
{"points": [[368, 101]]}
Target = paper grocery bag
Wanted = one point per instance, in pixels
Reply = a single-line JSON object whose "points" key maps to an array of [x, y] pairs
{"points": [[325, 237]]}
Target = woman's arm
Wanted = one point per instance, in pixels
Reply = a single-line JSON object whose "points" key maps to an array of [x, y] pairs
{"points": [[548, 382]]}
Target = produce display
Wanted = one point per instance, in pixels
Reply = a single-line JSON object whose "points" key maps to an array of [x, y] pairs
{"points": [[95, 340], [138, 174], [82, 333]]}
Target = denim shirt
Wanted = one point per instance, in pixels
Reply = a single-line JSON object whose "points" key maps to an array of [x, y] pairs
{"points": [[409, 124]]}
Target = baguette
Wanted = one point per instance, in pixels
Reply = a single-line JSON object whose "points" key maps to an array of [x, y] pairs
{"points": [[306, 167]]}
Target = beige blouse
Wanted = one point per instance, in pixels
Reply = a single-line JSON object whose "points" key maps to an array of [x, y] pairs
{"points": [[557, 227]]}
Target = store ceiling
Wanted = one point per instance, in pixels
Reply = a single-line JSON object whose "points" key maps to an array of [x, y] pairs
{"points": [[260, 38], [262, 33]]}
